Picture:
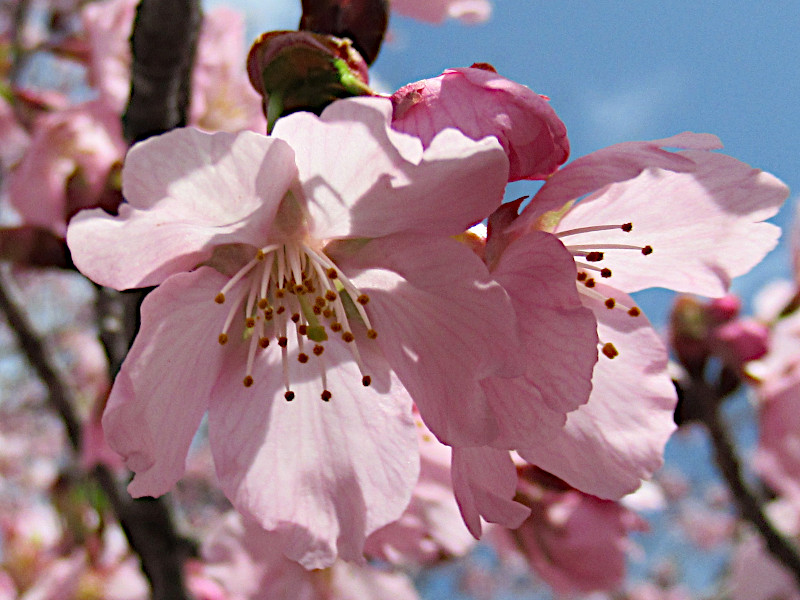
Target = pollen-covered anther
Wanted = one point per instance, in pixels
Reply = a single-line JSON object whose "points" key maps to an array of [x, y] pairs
{"points": [[605, 273], [647, 250], [372, 334], [289, 395], [634, 311], [281, 310], [260, 255], [318, 349], [582, 276], [302, 358], [302, 329], [316, 310], [321, 302], [280, 293], [626, 227], [589, 283], [362, 299], [610, 350], [250, 322], [336, 327], [326, 395], [327, 313], [263, 303], [332, 273], [248, 381], [366, 380], [330, 295], [283, 341], [348, 336], [594, 256], [263, 342], [220, 298], [268, 314], [610, 303], [299, 290], [222, 339], [295, 317]]}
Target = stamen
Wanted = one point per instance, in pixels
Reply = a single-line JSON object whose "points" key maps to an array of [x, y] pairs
{"points": [[647, 250], [223, 339], [634, 311], [372, 334], [326, 395], [605, 272], [220, 298], [366, 380], [318, 349], [362, 299], [302, 358], [610, 350], [582, 274], [610, 303], [572, 247], [289, 395], [626, 227], [248, 381]]}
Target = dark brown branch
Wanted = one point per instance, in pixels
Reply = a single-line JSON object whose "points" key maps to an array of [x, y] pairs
{"points": [[163, 44], [41, 359], [706, 404]]}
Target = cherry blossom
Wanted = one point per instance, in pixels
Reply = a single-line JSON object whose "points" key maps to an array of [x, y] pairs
{"points": [[307, 287], [480, 102]]}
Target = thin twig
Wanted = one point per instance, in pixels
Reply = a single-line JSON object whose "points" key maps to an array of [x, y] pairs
{"points": [[40, 357], [707, 403]]}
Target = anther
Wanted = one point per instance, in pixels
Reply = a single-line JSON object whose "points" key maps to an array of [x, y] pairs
{"points": [[647, 250], [263, 342], [320, 301], [594, 256], [316, 310], [248, 381], [302, 358], [362, 299], [318, 349], [348, 336], [250, 322], [289, 395], [326, 395], [280, 293], [372, 334], [222, 339], [260, 254], [268, 314], [282, 341], [330, 295], [281, 310], [302, 329], [626, 227], [327, 313], [332, 273], [610, 303], [366, 380], [336, 327], [220, 298], [609, 350], [605, 273], [263, 303], [582, 276], [634, 311], [589, 283], [295, 317], [299, 289]]}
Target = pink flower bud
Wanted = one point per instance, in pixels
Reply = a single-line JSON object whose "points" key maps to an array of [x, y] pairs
{"points": [[742, 340], [479, 102], [722, 310]]}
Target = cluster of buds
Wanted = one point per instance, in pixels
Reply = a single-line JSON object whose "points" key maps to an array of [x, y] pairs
{"points": [[700, 331]]}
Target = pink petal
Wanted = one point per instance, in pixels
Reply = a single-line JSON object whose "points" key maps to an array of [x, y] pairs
{"points": [[559, 339], [442, 324], [188, 191], [619, 162], [485, 482], [363, 179], [609, 444], [163, 388], [322, 475], [479, 103], [704, 226]]}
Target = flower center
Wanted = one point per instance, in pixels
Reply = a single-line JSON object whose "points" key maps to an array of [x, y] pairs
{"points": [[586, 258], [291, 286]]}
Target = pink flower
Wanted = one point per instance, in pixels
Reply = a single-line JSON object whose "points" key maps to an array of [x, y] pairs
{"points": [[435, 11], [69, 165], [244, 561], [313, 266], [575, 542], [479, 102], [688, 221]]}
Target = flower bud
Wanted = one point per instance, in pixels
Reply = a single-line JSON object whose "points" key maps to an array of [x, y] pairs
{"points": [[299, 70]]}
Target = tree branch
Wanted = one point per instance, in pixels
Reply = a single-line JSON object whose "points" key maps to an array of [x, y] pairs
{"points": [[706, 404]]}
